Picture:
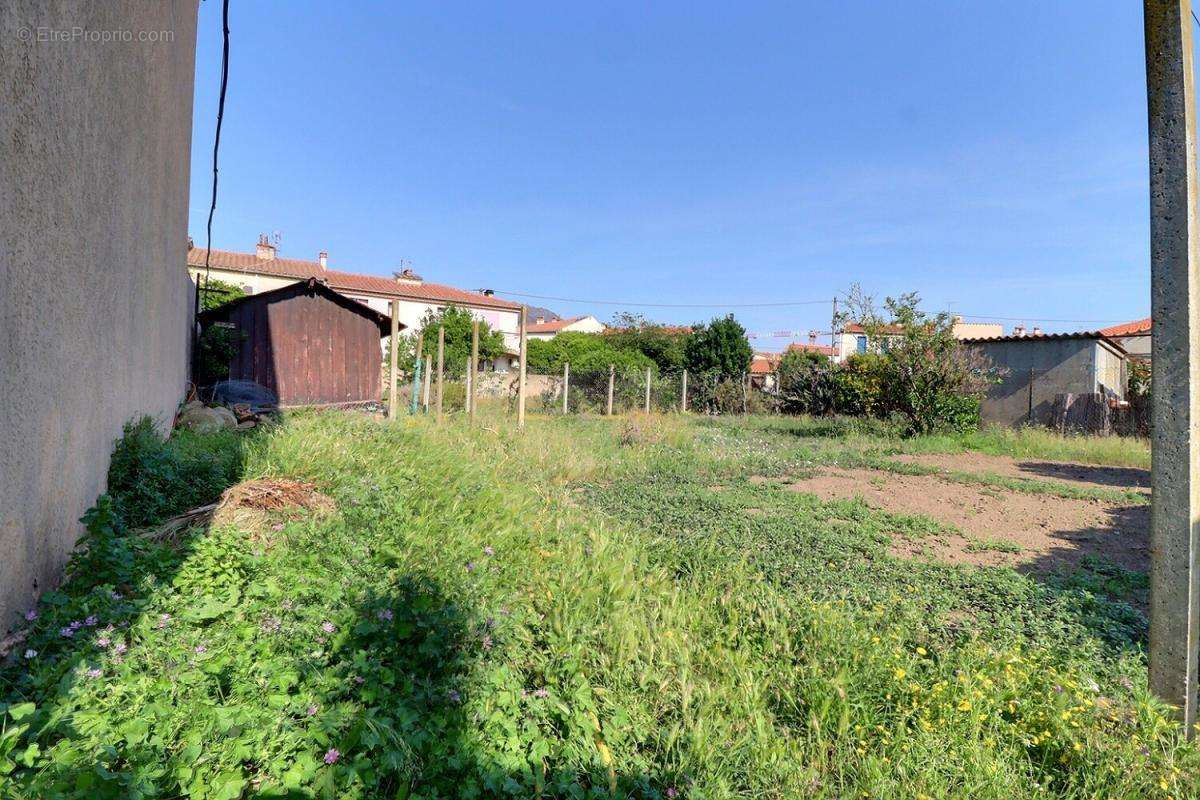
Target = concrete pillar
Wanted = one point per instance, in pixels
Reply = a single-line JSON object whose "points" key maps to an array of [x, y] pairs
{"points": [[521, 374], [1175, 281]]}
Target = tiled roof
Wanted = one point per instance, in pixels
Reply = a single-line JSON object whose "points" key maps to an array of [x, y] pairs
{"points": [[553, 326], [854, 327], [763, 365], [822, 349], [1134, 328], [344, 281]]}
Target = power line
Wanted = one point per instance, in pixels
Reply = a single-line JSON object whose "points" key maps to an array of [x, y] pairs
{"points": [[217, 140], [662, 305], [1036, 319]]}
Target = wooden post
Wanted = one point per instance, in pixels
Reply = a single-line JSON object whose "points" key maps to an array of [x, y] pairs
{"points": [[746, 393], [416, 381], [1175, 346], [566, 384], [521, 374], [441, 369], [428, 380], [612, 373], [393, 385], [647, 390], [473, 371], [683, 395]]}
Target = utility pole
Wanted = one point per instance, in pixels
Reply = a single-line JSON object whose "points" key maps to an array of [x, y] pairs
{"points": [[1175, 408], [833, 328]]}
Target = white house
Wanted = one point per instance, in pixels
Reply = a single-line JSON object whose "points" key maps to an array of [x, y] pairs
{"points": [[264, 270], [542, 328]]}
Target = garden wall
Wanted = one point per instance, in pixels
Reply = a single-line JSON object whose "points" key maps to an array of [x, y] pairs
{"points": [[95, 145]]}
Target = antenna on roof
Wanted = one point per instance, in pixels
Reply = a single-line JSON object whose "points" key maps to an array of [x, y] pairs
{"points": [[277, 236]]}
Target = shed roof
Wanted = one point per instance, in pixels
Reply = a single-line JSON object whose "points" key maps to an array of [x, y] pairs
{"points": [[1139, 327], [313, 286], [1098, 336]]}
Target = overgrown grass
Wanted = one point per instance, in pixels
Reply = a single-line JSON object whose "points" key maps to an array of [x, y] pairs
{"points": [[593, 608], [1039, 443]]}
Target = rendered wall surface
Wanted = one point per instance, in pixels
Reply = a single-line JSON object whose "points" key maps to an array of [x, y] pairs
{"points": [[95, 303], [1055, 366]]}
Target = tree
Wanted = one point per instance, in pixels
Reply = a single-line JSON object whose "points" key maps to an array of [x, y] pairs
{"points": [[215, 293], [719, 348], [926, 376], [585, 352], [457, 323], [662, 345]]}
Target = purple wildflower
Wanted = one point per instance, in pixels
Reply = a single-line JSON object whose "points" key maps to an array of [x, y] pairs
{"points": [[31, 615], [385, 615], [672, 792], [272, 625], [359, 679], [30, 654], [541, 693], [1058, 689], [488, 551], [490, 623], [114, 594], [486, 642], [91, 621], [277, 527], [200, 648], [76, 625], [312, 710], [470, 565], [103, 641], [503, 611], [163, 619], [94, 673], [332, 755], [66, 632], [328, 627], [120, 647], [454, 696]]}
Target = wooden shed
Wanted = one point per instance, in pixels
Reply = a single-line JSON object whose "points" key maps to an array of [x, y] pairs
{"points": [[307, 344]]}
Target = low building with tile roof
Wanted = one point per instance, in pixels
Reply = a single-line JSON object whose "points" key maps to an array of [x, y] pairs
{"points": [[264, 270], [542, 328], [1133, 336]]}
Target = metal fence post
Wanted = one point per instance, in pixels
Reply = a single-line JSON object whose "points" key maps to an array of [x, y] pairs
{"points": [[473, 371], [393, 359], [683, 395], [441, 369], [566, 384], [647, 390], [521, 374]]}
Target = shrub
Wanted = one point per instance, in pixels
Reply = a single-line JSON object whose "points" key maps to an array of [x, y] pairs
{"points": [[806, 383], [215, 293], [217, 347], [858, 386], [151, 478], [719, 348]]}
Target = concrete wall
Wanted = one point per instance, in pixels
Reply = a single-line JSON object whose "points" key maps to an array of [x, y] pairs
{"points": [[95, 143], [1137, 346], [1055, 366]]}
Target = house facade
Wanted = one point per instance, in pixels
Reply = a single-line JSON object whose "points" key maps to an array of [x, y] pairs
{"points": [[542, 328], [853, 339], [264, 270]]}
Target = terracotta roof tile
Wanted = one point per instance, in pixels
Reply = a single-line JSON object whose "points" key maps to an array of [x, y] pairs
{"points": [[344, 281], [1129, 328]]}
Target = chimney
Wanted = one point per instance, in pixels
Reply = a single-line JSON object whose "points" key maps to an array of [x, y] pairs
{"points": [[1037, 331], [408, 276], [1018, 330], [264, 250], [812, 337], [487, 292], [323, 257], [539, 321], [191, 244]]}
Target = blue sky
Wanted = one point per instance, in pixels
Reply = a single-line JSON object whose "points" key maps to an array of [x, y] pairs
{"points": [[991, 156]]}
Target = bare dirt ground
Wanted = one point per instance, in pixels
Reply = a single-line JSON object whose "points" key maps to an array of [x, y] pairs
{"points": [[1083, 475], [1044, 532]]}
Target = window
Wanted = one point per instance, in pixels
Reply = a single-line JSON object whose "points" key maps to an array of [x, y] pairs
{"points": [[860, 345]]}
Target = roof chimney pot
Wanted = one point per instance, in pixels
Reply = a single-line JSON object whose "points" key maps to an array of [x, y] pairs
{"points": [[323, 257], [264, 250]]}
